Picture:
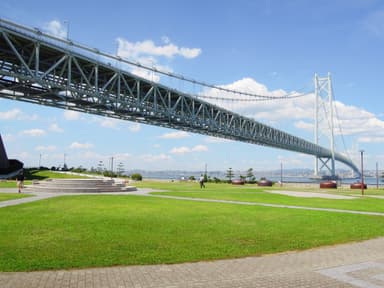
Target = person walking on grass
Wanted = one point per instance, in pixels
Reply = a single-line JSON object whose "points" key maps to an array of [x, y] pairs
{"points": [[20, 181], [201, 181]]}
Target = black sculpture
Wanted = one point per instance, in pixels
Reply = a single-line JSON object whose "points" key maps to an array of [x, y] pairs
{"points": [[8, 167]]}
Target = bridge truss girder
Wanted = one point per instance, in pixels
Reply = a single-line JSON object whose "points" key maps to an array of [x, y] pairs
{"points": [[49, 71]]}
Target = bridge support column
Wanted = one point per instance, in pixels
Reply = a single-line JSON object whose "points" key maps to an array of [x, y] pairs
{"points": [[323, 91]]}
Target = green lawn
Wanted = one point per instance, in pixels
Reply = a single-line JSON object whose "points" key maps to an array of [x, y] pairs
{"points": [[44, 174], [34, 174], [103, 230], [11, 196], [253, 193]]}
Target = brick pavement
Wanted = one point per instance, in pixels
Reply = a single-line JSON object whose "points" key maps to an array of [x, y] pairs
{"points": [[349, 265]]}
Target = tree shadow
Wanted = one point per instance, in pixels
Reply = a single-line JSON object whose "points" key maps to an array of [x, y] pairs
{"points": [[32, 174]]}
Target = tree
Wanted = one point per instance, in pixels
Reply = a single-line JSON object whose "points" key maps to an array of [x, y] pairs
{"points": [[229, 174], [136, 177], [250, 174], [100, 167], [120, 169]]}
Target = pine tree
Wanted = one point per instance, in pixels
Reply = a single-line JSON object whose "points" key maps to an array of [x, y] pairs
{"points": [[250, 174], [229, 174]]}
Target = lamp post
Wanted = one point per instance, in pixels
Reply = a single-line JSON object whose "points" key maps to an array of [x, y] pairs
{"points": [[67, 30], [362, 172], [281, 174], [40, 161], [377, 175]]}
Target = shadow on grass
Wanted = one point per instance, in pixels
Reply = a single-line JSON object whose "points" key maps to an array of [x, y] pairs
{"points": [[33, 174]]}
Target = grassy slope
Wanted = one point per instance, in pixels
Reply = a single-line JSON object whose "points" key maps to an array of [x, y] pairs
{"points": [[85, 231], [33, 174]]}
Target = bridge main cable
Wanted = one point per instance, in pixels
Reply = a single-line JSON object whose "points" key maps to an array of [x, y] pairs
{"points": [[42, 69]]}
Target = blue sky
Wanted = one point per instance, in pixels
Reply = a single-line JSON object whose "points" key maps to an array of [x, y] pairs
{"points": [[267, 47]]}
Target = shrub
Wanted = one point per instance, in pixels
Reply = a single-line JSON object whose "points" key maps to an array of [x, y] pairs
{"points": [[136, 177], [109, 174]]}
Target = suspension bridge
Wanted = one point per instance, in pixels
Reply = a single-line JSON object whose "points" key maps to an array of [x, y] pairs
{"points": [[42, 69]]}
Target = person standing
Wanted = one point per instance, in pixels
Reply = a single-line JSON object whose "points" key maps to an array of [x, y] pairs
{"points": [[20, 181], [201, 181]]}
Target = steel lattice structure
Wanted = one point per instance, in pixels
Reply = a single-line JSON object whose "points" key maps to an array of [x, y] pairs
{"points": [[42, 69]]}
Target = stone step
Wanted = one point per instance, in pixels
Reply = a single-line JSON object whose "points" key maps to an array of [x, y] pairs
{"points": [[76, 181], [100, 184], [80, 189], [79, 186]]}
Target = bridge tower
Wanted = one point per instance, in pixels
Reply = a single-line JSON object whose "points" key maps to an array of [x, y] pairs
{"points": [[323, 96]]}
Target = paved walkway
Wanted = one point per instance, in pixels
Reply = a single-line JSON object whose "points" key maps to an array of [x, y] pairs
{"points": [[350, 265]]}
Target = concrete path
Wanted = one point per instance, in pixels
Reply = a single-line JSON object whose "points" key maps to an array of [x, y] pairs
{"points": [[349, 265], [310, 194]]}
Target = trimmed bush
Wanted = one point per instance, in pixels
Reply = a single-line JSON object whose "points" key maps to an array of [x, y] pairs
{"points": [[136, 177]]}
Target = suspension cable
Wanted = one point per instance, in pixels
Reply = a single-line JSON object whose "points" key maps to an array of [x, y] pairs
{"points": [[341, 131], [286, 96]]}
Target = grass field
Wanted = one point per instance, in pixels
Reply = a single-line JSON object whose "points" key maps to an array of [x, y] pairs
{"points": [[253, 193], [11, 196], [105, 230]]}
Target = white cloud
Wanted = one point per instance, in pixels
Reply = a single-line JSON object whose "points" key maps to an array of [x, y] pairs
{"points": [[155, 158], [353, 120], [56, 28], [33, 132], [8, 138], [166, 39], [122, 156], [374, 23], [199, 148], [46, 148], [266, 110], [91, 155], [371, 139], [54, 127], [16, 114], [299, 160], [129, 49], [77, 145], [175, 135], [146, 74], [136, 127], [304, 125], [147, 53], [180, 150], [109, 123], [71, 115], [13, 114], [211, 139], [185, 150]]}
